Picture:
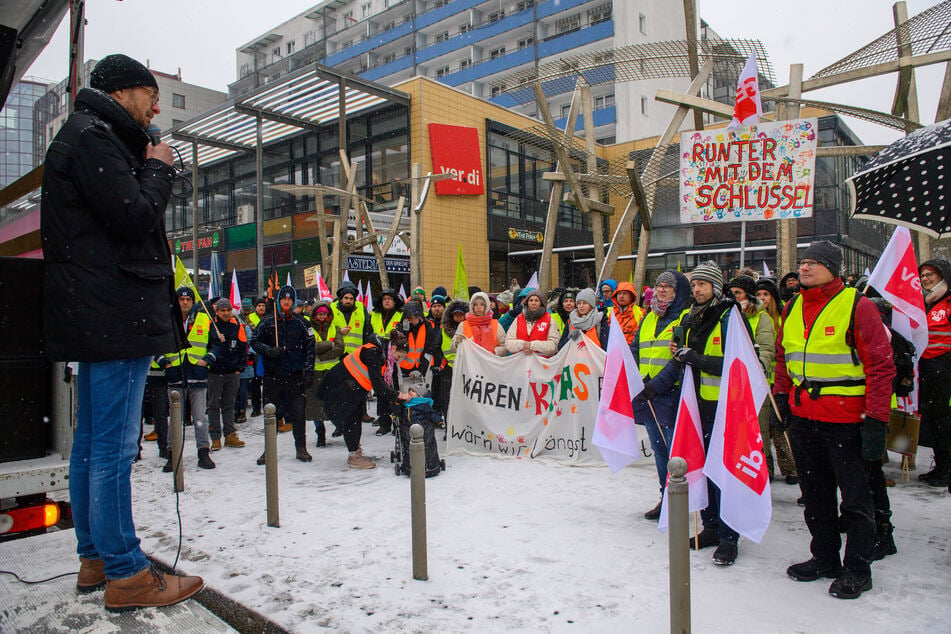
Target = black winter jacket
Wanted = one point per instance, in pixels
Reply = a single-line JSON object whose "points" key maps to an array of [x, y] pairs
{"points": [[108, 288], [294, 337], [231, 355]]}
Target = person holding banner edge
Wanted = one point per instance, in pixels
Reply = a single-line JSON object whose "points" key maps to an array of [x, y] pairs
{"points": [[705, 327], [656, 406]]}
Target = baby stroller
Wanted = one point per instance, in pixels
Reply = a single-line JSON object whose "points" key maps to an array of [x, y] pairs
{"points": [[419, 409]]}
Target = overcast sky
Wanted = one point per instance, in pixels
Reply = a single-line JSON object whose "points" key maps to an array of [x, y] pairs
{"points": [[200, 37]]}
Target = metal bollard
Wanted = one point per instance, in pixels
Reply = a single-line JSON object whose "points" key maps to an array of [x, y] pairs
{"points": [[417, 486], [679, 551], [178, 440], [270, 465]]}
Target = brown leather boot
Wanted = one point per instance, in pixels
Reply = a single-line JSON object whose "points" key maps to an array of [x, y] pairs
{"points": [[92, 575], [149, 589]]}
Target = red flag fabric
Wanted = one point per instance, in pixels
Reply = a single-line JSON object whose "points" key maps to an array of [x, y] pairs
{"points": [[735, 461], [273, 286], [896, 278], [235, 294], [688, 444], [748, 107], [615, 434]]}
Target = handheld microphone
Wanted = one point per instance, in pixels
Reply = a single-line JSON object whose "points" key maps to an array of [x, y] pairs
{"points": [[155, 133]]}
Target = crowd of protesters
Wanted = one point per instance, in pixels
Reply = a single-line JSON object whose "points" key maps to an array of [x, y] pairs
{"points": [[323, 360]]}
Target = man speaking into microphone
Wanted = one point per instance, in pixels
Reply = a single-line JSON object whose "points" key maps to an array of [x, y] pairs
{"points": [[108, 300]]}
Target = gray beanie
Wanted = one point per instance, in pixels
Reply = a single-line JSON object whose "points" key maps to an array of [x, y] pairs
{"points": [[223, 304], [667, 277], [825, 253], [587, 295], [709, 272]]}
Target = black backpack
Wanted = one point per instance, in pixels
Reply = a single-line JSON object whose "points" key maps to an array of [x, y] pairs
{"points": [[903, 354]]}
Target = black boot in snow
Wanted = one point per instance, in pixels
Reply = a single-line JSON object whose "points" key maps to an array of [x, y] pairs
{"points": [[385, 426], [884, 543], [204, 460]]}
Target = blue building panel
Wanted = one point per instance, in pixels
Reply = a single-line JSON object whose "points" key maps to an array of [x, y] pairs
{"points": [[369, 44], [375, 74], [483, 69], [581, 37], [546, 9], [604, 116], [475, 36], [443, 12]]}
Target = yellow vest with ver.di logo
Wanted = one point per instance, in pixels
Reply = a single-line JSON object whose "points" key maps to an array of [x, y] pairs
{"points": [[819, 358]]}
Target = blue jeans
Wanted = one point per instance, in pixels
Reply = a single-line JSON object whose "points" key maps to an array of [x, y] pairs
{"points": [[100, 467], [660, 444]]}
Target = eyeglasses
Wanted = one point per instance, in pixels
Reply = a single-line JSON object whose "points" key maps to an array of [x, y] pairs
{"points": [[928, 274], [153, 92], [663, 287], [808, 264]]}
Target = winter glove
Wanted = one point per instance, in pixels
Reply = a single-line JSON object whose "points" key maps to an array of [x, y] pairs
{"points": [[874, 435], [646, 394], [164, 363], [782, 404], [274, 354], [575, 334], [687, 355]]}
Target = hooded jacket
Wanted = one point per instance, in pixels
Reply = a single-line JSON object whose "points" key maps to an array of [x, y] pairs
{"points": [[629, 318], [509, 317], [108, 286]]}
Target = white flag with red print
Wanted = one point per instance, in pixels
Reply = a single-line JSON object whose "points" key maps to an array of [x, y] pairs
{"points": [[323, 288], [688, 444], [615, 434], [361, 297], [368, 298], [735, 459], [748, 107], [235, 294], [896, 278]]}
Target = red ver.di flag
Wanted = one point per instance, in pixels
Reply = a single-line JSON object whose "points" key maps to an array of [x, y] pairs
{"points": [[614, 432], [735, 459], [688, 444], [455, 151], [748, 107], [896, 279]]}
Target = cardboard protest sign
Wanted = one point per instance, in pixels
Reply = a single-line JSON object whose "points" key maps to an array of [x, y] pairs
{"points": [[761, 172]]}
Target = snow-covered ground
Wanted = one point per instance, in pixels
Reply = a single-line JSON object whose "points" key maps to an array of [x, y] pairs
{"points": [[514, 545]]}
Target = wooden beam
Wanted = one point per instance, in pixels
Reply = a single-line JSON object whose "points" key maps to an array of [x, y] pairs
{"points": [[905, 102], [598, 179], [944, 100], [595, 206], [593, 201], [696, 103], [554, 200], [643, 206], [863, 73], [690, 28], [849, 150], [19, 188]]}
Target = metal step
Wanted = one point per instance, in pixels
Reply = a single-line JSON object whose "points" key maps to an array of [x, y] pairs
{"points": [[56, 607]]}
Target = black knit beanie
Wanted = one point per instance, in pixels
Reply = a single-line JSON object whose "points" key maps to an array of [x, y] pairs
{"points": [[825, 253], [744, 282], [118, 71]]}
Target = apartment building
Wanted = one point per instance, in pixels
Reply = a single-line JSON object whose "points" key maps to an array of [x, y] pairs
{"points": [[473, 45]]}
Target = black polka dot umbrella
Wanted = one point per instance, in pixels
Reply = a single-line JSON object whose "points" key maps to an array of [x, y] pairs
{"points": [[909, 182]]}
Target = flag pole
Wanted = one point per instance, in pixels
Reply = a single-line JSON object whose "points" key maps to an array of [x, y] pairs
{"points": [[696, 530], [656, 422]]}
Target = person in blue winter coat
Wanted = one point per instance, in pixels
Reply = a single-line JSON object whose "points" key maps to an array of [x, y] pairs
{"points": [[656, 406], [419, 409], [509, 317], [604, 295]]}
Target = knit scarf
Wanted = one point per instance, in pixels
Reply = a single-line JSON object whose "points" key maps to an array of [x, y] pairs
{"points": [[659, 306], [936, 293], [585, 323], [391, 361], [482, 330]]}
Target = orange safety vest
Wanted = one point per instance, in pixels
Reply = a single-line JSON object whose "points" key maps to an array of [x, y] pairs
{"points": [[592, 334], [358, 369], [417, 343]]}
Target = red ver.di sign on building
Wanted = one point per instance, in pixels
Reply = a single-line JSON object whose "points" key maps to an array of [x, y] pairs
{"points": [[455, 151]]}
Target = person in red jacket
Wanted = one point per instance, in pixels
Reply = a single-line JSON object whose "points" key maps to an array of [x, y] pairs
{"points": [[934, 366], [834, 385]]}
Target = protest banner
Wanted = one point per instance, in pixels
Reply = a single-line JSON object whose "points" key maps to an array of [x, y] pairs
{"points": [[524, 405], [760, 172]]}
